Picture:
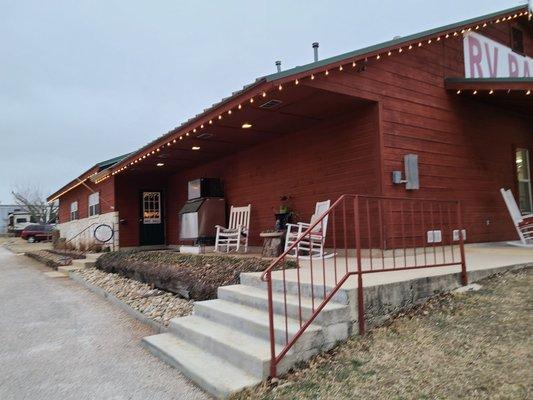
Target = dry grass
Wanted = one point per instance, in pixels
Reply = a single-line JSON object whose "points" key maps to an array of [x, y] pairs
{"points": [[475, 346]]}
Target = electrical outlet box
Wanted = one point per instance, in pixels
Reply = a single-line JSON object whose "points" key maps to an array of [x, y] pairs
{"points": [[397, 177], [434, 236]]}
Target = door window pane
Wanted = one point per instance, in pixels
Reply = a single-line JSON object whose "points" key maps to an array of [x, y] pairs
{"points": [[151, 207], [524, 180]]}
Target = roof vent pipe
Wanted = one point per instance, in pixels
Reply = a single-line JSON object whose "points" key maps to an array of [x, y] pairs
{"points": [[315, 49], [278, 65]]}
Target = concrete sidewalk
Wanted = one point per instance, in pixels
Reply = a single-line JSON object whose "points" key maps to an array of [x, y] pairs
{"points": [[479, 257], [60, 341]]}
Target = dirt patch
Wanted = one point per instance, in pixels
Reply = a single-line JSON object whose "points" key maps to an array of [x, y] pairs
{"points": [[474, 345], [191, 276]]}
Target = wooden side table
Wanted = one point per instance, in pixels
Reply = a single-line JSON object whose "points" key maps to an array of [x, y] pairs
{"points": [[272, 243]]}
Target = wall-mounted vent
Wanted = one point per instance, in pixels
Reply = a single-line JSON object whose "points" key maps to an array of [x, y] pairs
{"points": [[271, 104], [205, 135]]}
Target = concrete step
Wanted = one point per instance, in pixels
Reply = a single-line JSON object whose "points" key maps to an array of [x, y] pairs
{"points": [[213, 374], [243, 351], [254, 297], [82, 263], [93, 256], [55, 274], [291, 286], [254, 322], [68, 268]]}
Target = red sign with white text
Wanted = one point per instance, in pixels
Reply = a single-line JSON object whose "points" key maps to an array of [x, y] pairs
{"points": [[485, 58]]}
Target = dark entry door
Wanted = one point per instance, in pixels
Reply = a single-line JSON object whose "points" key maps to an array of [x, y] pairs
{"points": [[151, 223]]}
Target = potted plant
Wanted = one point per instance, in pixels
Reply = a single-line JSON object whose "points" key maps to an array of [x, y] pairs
{"points": [[285, 213]]}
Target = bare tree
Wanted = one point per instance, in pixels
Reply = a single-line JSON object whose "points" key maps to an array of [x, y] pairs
{"points": [[34, 202]]}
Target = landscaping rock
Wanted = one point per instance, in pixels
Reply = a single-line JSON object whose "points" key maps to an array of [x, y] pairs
{"points": [[50, 259], [191, 276], [159, 305]]}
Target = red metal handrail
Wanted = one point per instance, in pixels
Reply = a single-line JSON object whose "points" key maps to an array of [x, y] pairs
{"points": [[413, 222]]}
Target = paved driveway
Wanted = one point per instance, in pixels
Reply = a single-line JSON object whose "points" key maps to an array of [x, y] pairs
{"points": [[60, 341]]}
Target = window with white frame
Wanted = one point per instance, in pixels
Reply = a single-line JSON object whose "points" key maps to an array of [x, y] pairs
{"points": [[523, 169], [94, 204], [73, 210]]}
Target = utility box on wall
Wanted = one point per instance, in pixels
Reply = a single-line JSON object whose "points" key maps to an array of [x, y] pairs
{"points": [[411, 180], [411, 171]]}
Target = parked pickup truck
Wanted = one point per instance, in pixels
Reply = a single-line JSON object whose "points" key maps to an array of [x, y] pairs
{"points": [[36, 233]]}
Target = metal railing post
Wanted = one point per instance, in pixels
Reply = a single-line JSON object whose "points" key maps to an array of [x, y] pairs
{"points": [[360, 294], [273, 366], [464, 275]]}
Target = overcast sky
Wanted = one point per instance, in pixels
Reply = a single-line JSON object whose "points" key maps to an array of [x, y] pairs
{"points": [[83, 81]]}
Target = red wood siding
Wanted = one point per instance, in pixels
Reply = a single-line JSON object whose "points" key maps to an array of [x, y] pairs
{"points": [[337, 157], [465, 147], [81, 195]]}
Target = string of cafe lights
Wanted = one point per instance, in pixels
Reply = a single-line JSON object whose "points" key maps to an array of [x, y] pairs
{"points": [[345, 65], [492, 91]]}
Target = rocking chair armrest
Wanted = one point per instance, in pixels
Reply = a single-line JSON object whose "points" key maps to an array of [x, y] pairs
{"points": [[291, 226], [220, 227], [526, 220]]}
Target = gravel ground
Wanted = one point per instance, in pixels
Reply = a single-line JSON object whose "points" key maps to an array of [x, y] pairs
{"points": [[476, 345], [156, 304], [60, 341], [18, 245]]}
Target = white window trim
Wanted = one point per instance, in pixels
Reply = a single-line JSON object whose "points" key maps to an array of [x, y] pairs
{"points": [[528, 180], [93, 205], [74, 210]]}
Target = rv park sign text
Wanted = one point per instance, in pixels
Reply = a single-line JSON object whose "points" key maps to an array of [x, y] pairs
{"points": [[485, 58]]}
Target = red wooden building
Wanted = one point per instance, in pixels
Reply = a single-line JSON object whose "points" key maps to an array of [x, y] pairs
{"points": [[458, 97]]}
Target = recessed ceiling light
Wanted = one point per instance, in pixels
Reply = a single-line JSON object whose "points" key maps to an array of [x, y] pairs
{"points": [[160, 164], [196, 147], [246, 125]]}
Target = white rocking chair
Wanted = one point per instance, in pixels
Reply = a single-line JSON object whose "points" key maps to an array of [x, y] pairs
{"points": [[313, 243], [236, 235], [522, 223]]}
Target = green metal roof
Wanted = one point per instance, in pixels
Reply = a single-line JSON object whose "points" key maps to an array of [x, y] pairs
{"points": [[111, 161], [384, 45]]}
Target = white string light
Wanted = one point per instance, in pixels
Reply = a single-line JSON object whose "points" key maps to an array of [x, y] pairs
{"points": [[341, 68]]}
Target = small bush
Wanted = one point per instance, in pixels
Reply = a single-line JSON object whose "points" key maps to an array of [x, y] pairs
{"points": [[190, 276]]}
